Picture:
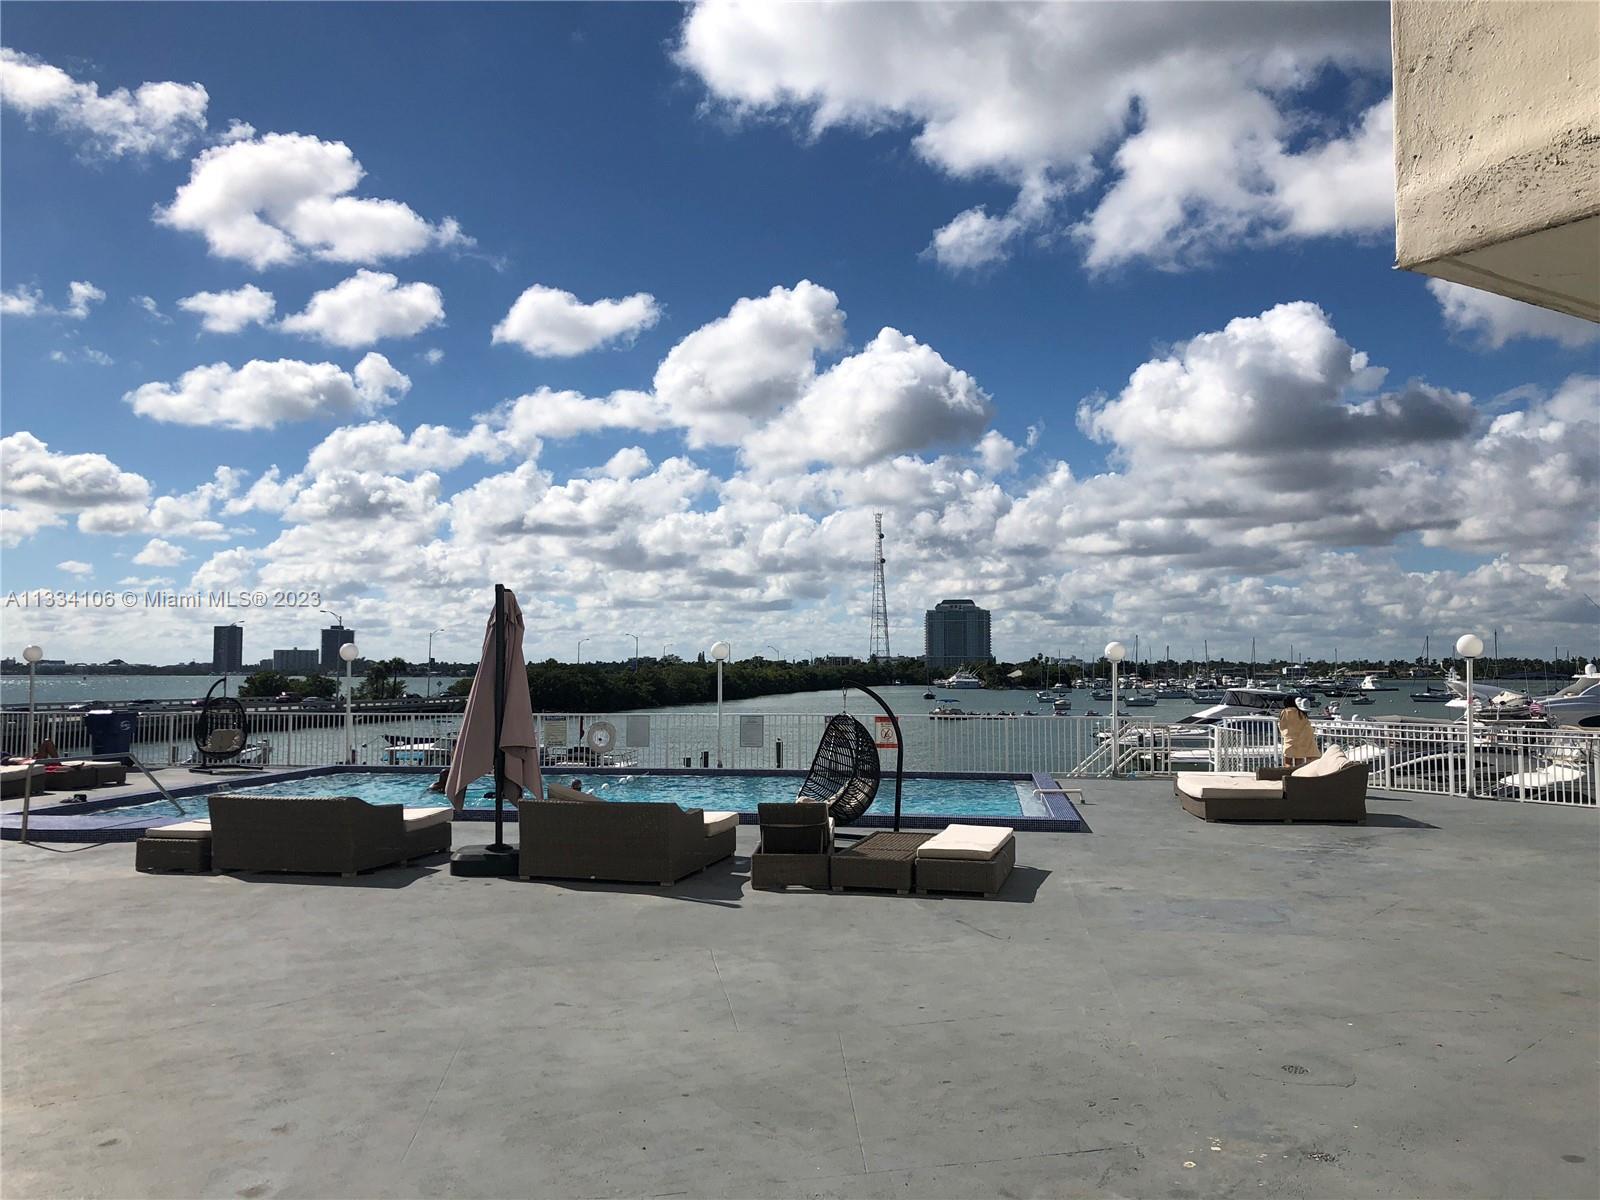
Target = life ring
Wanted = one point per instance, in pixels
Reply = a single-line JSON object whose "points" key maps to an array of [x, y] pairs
{"points": [[602, 735]]}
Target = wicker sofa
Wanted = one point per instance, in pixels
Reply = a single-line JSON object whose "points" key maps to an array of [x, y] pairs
{"points": [[1275, 794], [320, 834], [589, 838]]}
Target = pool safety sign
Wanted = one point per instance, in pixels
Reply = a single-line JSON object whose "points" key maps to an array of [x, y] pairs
{"points": [[885, 733]]}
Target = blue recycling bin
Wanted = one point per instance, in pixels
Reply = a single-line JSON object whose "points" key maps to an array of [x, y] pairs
{"points": [[110, 732]]}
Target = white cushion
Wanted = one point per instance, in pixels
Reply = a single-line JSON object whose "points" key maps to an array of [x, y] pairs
{"points": [[1203, 786], [966, 841], [422, 818], [200, 828], [21, 771], [720, 822], [1332, 760]]}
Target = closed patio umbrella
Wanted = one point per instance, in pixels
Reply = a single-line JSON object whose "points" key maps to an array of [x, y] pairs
{"points": [[496, 735]]}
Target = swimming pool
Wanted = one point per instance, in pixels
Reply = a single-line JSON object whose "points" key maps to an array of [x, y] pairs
{"points": [[942, 797]]}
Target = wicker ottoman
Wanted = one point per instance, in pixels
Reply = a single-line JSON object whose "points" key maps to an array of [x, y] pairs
{"points": [[966, 858], [883, 861], [778, 871], [185, 846]]}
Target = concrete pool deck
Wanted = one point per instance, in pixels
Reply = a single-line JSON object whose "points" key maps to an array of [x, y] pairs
{"points": [[1159, 1007]]}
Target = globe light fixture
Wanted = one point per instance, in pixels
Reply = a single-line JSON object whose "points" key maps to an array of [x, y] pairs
{"points": [[1469, 646], [1116, 651], [720, 651]]}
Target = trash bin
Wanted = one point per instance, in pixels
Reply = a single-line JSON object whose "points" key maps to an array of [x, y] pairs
{"points": [[110, 732]]}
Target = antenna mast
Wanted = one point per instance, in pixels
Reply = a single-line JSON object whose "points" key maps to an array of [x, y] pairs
{"points": [[880, 595]]}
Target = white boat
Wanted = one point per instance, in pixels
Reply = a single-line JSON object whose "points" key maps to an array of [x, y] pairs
{"points": [[1369, 683], [1241, 702], [1049, 695], [1138, 700], [961, 680], [1576, 705], [1061, 707]]}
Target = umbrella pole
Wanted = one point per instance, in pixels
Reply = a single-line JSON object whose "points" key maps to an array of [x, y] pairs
{"points": [[499, 716], [899, 745]]}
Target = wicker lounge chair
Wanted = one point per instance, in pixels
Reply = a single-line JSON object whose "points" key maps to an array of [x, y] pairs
{"points": [[844, 772], [320, 834], [621, 842], [14, 779], [966, 858], [795, 848], [1335, 790]]}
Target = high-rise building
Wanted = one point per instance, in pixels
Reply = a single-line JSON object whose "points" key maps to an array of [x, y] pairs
{"points": [[227, 648], [294, 662], [333, 637], [955, 633]]}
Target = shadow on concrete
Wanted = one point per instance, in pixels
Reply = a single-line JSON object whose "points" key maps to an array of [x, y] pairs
{"points": [[1021, 887], [721, 884], [1396, 821], [379, 877]]}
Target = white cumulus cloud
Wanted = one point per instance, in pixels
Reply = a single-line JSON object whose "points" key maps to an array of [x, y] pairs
{"points": [[263, 394], [273, 199], [229, 312], [25, 301], [550, 323], [366, 308], [159, 553], [73, 566], [1494, 320], [1182, 126], [154, 118]]}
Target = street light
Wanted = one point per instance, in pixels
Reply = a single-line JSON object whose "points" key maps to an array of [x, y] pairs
{"points": [[635, 638], [1469, 646], [720, 652], [776, 651], [1115, 653], [30, 655], [430, 662], [665, 646], [348, 652]]}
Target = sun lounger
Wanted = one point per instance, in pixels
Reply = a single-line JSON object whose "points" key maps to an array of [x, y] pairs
{"points": [[1330, 788], [966, 858], [584, 837], [14, 780], [321, 834]]}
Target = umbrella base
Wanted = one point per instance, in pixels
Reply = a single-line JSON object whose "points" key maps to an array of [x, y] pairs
{"points": [[484, 862]]}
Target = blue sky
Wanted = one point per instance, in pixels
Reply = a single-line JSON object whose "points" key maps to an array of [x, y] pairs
{"points": [[692, 159]]}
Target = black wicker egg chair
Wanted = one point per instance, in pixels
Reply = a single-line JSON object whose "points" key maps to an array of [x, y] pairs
{"points": [[844, 774], [221, 733]]}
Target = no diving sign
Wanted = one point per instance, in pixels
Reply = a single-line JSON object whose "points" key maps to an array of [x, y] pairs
{"points": [[884, 728]]}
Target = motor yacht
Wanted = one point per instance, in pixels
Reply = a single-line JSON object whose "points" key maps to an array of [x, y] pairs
{"points": [[963, 679], [1369, 683], [1576, 705]]}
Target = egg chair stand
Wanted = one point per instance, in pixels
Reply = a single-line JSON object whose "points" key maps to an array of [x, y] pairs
{"points": [[221, 734]]}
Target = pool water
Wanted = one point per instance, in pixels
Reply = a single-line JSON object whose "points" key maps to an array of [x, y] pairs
{"points": [[723, 793]]}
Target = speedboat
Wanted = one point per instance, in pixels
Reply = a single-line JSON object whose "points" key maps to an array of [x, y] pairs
{"points": [[1242, 702], [1171, 692], [1370, 683], [928, 696], [1061, 707], [961, 680], [1358, 698], [1433, 695], [1139, 700], [948, 711]]}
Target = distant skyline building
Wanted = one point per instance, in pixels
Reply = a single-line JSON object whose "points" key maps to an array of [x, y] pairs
{"points": [[227, 648], [295, 661], [333, 637], [955, 633]]}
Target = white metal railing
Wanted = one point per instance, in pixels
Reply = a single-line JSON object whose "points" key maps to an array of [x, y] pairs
{"points": [[1514, 762]]}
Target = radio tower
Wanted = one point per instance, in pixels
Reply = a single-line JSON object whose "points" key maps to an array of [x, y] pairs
{"points": [[880, 595]]}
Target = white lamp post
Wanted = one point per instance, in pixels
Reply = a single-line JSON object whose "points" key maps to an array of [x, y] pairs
{"points": [[1470, 646], [1115, 653], [581, 641], [30, 655], [348, 652], [720, 652]]}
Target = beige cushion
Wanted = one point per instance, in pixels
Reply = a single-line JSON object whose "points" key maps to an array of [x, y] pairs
{"points": [[200, 828], [978, 842], [1332, 760], [224, 741], [422, 818], [560, 791], [1206, 786], [21, 771], [720, 822]]}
